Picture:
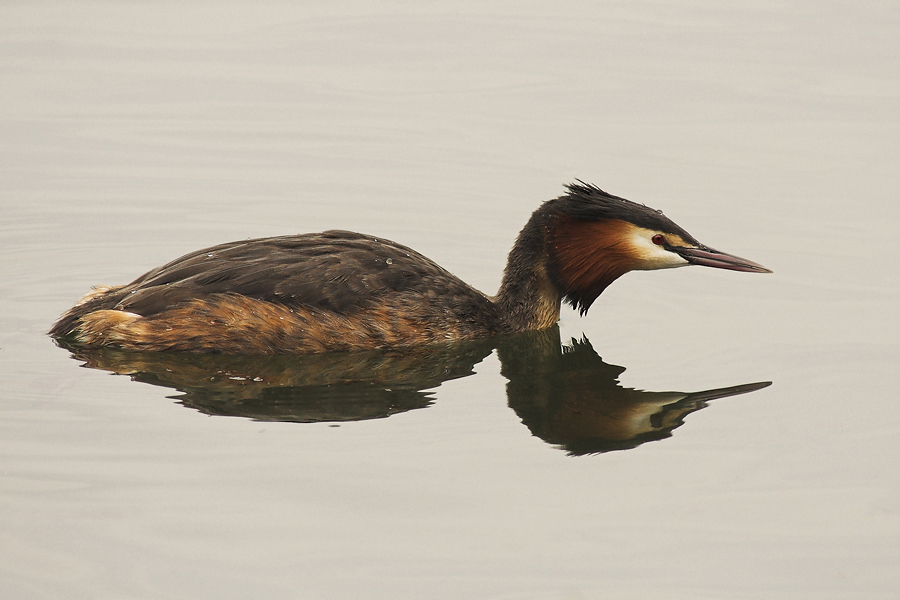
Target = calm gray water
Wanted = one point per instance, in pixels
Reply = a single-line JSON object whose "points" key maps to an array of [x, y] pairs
{"points": [[130, 135]]}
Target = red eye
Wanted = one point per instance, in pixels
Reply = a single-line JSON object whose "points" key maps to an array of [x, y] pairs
{"points": [[658, 239]]}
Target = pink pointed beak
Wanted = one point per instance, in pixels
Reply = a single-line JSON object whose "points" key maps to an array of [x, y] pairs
{"points": [[708, 257]]}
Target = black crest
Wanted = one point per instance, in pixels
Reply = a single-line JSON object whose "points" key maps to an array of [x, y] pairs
{"points": [[588, 202]]}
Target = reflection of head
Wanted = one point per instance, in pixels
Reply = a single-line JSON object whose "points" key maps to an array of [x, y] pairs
{"points": [[571, 398]]}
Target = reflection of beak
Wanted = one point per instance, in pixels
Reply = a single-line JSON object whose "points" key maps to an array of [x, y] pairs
{"points": [[707, 257], [734, 390]]}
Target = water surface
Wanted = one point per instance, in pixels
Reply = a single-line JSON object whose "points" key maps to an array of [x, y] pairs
{"points": [[134, 134]]}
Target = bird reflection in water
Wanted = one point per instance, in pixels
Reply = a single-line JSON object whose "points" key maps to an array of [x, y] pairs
{"points": [[565, 394]]}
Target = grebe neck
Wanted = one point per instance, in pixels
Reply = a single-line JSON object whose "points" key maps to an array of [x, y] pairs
{"points": [[528, 298]]}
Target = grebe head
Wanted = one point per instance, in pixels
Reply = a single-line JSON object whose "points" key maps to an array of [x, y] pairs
{"points": [[594, 237]]}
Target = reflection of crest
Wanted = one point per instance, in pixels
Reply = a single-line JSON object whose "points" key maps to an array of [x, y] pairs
{"points": [[566, 395]]}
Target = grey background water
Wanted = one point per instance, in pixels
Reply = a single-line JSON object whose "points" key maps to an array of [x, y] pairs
{"points": [[134, 133]]}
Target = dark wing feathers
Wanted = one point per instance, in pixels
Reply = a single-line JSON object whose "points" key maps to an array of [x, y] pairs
{"points": [[334, 270]]}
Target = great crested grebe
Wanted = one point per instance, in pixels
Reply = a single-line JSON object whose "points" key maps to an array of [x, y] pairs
{"points": [[339, 290]]}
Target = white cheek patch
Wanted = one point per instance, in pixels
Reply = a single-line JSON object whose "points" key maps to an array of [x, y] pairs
{"points": [[648, 256]]}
